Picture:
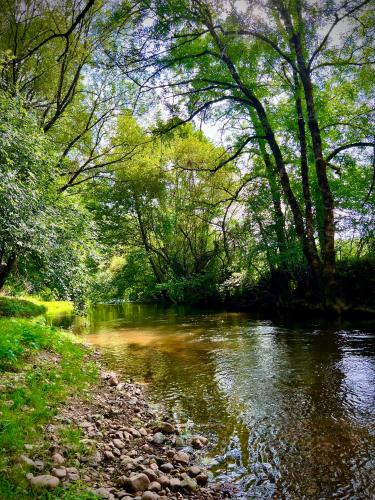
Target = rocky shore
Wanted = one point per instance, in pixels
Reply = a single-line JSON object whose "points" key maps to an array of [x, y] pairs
{"points": [[128, 450]]}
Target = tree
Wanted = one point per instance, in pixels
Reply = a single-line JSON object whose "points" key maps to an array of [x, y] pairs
{"points": [[257, 63]]}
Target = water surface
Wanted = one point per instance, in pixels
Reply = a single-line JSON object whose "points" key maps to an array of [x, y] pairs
{"points": [[289, 408]]}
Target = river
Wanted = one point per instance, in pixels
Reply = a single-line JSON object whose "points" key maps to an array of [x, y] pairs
{"points": [[288, 407]]}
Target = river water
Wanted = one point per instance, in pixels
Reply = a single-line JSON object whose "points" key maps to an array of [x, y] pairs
{"points": [[289, 408]]}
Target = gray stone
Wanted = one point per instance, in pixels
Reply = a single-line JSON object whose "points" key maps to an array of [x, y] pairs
{"points": [[167, 467], [159, 438], [44, 481]]}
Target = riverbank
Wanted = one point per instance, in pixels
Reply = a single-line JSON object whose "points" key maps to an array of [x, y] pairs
{"points": [[71, 430]]}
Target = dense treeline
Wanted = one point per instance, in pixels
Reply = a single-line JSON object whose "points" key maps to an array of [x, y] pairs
{"points": [[188, 150]]}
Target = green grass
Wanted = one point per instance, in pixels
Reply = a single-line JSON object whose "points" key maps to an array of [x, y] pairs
{"points": [[20, 307], [40, 367], [53, 307]]}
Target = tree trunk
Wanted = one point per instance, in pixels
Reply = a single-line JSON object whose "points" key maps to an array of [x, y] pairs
{"points": [[309, 222], [328, 247], [7, 268]]}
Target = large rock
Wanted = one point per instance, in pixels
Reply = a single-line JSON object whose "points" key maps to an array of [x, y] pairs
{"points": [[139, 482], [44, 481]]}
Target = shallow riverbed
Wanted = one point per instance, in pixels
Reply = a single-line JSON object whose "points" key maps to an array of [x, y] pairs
{"points": [[289, 408]]}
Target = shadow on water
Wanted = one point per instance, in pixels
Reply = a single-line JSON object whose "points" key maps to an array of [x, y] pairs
{"points": [[289, 406]]}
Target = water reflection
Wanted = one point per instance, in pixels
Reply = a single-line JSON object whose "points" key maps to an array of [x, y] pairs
{"points": [[290, 408]]}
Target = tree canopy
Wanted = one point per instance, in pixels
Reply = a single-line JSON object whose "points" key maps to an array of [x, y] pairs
{"points": [[188, 150]]}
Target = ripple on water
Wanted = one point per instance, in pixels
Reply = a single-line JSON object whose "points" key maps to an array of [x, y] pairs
{"points": [[289, 408]]}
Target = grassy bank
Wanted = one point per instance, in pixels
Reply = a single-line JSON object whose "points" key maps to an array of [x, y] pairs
{"points": [[40, 367]]}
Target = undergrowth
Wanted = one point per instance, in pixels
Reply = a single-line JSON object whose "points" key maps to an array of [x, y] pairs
{"points": [[40, 367]]}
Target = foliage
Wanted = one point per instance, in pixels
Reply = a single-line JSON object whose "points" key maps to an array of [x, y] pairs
{"points": [[179, 145]]}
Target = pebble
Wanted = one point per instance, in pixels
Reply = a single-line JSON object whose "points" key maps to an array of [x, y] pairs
{"points": [[154, 486], [44, 481], [182, 457], [59, 472], [138, 482], [194, 470], [174, 483], [149, 495], [167, 467], [119, 444], [104, 493], [189, 484], [58, 459]]}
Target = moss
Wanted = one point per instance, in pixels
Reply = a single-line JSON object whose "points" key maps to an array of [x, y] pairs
{"points": [[40, 367], [20, 307]]}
